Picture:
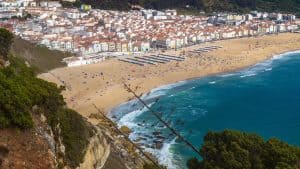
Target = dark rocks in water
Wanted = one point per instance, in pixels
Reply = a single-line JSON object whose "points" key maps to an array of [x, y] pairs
{"points": [[140, 139], [114, 117], [156, 133], [126, 130], [171, 134], [146, 135], [144, 121], [158, 144], [161, 137], [139, 124]]}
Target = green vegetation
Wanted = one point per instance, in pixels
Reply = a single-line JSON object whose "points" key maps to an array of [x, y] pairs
{"points": [[233, 149], [75, 133], [240, 6], [39, 57], [5, 42], [22, 94]]}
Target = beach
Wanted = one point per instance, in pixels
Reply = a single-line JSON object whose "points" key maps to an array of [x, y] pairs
{"points": [[102, 83]]}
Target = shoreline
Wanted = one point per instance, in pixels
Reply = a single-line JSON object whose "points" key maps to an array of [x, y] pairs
{"points": [[235, 55], [158, 88], [129, 113]]}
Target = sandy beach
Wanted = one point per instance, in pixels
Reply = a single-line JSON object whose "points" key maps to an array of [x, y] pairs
{"points": [[102, 83]]}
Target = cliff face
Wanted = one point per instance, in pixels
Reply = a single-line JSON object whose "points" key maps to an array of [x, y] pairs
{"points": [[37, 149], [38, 130], [29, 149], [97, 152]]}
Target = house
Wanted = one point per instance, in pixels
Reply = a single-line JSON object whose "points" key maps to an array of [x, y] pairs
{"points": [[104, 46], [281, 28], [136, 46], [171, 12], [124, 47], [118, 46], [55, 44], [96, 46], [111, 46], [145, 46], [50, 4]]}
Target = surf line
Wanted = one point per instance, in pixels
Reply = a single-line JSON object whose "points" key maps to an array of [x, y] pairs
{"points": [[164, 122]]}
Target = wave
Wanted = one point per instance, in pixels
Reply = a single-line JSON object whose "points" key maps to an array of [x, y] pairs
{"points": [[248, 75], [227, 75], [261, 66], [160, 91], [129, 112], [164, 155], [128, 119]]}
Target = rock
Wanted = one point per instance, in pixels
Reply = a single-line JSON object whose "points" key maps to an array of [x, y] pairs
{"points": [[158, 145], [97, 116], [160, 137], [146, 135], [156, 133], [139, 139], [125, 130]]}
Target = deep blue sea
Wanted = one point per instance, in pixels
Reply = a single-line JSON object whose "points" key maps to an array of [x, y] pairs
{"points": [[264, 99]]}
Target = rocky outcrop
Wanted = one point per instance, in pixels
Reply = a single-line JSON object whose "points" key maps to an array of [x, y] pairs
{"points": [[97, 152]]}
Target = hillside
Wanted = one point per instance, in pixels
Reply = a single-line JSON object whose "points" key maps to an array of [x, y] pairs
{"points": [[41, 58], [38, 130], [206, 5]]}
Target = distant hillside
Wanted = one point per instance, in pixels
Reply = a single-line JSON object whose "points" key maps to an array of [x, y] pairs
{"points": [[206, 5], [40, 57]]}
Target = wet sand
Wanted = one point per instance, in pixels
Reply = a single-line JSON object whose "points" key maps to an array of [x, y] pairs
{"points": [[102, 83]]}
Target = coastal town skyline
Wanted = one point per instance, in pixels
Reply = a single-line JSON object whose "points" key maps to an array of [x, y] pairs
{"points": [[92, 34]]}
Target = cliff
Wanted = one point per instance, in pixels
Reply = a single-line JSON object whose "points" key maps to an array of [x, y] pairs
{"points": [[38, 130], [97, 151]]}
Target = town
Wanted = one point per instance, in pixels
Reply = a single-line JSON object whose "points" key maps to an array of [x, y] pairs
{"points": [[93, 34]]}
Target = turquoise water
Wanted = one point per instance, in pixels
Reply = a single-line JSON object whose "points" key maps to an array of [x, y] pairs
{"points": [[264, 99]]}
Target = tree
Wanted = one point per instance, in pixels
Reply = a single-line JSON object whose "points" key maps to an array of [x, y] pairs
{"points": [[6, 39], [233, 149]]}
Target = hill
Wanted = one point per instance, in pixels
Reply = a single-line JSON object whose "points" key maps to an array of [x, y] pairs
{"points": [[38, 130], [206, 5], [39, 57]]}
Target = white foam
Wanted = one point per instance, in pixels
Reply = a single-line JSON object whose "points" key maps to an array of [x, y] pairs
{"points": [[164, 155], [248, 75], [280, 56], [268, 69], [227, 75], [128, 119], [160, 91], [261, 66]]}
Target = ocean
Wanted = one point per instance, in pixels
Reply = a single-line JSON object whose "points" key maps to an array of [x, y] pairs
{"points": [[262, 99]]}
